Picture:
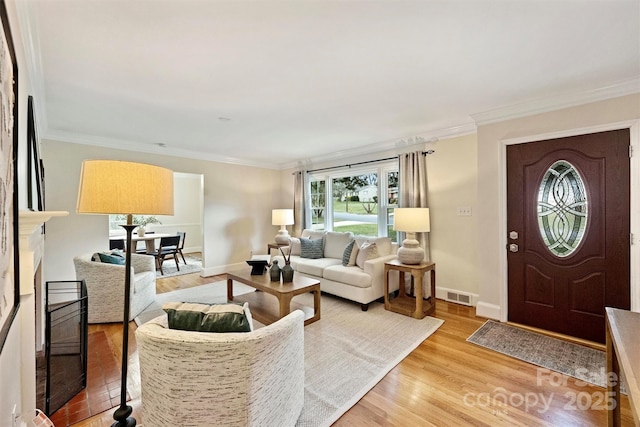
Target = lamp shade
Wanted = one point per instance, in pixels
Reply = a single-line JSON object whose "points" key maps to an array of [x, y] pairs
{"points": [[414, 220], [282, 217], [117, 187]]}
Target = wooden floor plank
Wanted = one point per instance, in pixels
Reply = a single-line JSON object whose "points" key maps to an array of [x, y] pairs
{"points": [[446, 381]]}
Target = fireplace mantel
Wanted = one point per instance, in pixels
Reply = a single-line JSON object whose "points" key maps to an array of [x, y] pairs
{"points": [[32, 244]]}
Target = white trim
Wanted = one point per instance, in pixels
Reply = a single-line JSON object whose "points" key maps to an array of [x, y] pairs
{"points": [[634, 274], [391, 145], [490, 311], [221, 269], [556, 102], [31, 44]]}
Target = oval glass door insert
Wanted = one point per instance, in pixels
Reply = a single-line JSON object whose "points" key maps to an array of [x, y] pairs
{"points": [[562, 209]]}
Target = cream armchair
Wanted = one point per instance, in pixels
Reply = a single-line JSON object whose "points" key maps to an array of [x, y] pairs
{"points": [[105, 286], [222, 379]]}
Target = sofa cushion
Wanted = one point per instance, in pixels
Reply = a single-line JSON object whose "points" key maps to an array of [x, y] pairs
{"points": [[349, 275], [208, 317], [365, 252], [314, 267], [294, 246], [349, 254], [308, 233], [383, 244], [311, 248], [335, 242]]}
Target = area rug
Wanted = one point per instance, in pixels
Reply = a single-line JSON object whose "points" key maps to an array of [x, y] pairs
{"points": [[575, 360], [193, 265], [347, 352]]}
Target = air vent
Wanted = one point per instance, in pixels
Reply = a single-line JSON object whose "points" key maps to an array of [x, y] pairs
{"points": [[458, 298]]}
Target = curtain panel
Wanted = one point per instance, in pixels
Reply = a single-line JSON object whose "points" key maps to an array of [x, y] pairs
{"points": [[412, 177]]}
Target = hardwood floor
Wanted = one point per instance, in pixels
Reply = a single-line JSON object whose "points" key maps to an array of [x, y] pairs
{"points": [[446, 381]]}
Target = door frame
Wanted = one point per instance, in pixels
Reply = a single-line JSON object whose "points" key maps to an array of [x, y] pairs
{"points": [[634, 274]]}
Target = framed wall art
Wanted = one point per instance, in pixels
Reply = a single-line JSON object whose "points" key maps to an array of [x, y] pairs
{"points": [[35, 174], [9, 262]]}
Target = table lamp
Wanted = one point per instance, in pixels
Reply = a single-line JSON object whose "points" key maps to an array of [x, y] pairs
{"points": [[117, 187], [411, 221], [282, 217]]}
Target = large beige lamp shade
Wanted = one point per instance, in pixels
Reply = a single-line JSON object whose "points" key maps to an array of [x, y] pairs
{"points": [[116, 187], [411, 221], [282, 217]]}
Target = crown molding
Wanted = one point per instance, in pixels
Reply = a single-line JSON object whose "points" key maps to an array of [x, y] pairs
{"points": [[557, 102], [151, 148], [31, 44], [392, 144]]}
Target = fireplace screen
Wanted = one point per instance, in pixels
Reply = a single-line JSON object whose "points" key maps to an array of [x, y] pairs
{"points": [[65, 342]]}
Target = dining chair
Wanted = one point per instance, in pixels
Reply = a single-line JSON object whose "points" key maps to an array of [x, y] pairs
{"points": [[168, 248], [183, 236], [116, 244]]}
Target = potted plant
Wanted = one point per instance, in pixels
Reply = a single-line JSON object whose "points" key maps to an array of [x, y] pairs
{"points": [[141, 221]]}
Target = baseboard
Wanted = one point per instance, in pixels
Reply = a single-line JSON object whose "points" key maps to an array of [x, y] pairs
{"points": [[221, 269], [490, 311]]}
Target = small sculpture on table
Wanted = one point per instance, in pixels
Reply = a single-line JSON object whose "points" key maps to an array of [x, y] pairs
{"points": [[287, 270]]}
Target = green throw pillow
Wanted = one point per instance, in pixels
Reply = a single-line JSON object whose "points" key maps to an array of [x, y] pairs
{"points": [[114, 257], [199, 317]]}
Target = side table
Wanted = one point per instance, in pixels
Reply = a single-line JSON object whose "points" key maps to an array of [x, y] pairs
{"points": [[275, 246], [416, 307]]}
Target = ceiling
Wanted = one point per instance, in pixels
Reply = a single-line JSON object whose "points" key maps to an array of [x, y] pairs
{"points": [[274, 83]]}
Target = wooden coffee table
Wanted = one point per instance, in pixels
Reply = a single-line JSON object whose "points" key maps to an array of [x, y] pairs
{"points": [[266, 309]]}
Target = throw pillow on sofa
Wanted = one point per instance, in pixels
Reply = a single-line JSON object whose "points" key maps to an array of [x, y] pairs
{"points": [[110, 257], [335, 242], [312, 249], [350, 254], [198, 317], [366, 252], [294, 245]]}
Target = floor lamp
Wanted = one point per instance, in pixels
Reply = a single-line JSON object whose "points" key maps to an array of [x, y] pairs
{"points": [[116, 187]]}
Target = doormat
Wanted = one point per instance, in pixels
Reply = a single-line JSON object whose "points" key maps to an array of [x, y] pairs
{"points": [[103, 384], [575, 360]]}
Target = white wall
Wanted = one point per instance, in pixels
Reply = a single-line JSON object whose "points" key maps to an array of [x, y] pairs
{"points": [[491, 137], [187, 213], [237, 212]]}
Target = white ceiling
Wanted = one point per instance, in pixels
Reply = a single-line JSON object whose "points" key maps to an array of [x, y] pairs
{"points": [[277, 82]]}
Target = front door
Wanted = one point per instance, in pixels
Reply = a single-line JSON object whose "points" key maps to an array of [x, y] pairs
{"points": [[568, 209]]}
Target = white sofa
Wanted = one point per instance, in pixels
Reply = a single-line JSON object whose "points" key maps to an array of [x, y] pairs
{"points": [[105, 286], [222, 379], [363, 284]]}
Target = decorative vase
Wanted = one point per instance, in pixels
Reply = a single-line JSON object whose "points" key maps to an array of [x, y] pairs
{"points": [[287, 273], [275, 271], [140, 231]]}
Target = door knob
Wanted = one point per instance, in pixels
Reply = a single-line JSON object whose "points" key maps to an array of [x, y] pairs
{"points": [[513, 247]]}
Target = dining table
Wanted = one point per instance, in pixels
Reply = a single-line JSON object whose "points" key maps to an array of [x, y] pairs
{"points": [[149, 239]]}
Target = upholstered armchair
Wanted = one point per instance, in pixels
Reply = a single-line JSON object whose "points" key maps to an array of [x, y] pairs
{"points": [[105, 286], [213, 379]]}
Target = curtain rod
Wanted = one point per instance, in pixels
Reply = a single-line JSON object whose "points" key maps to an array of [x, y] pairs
{"points": [[424, 153]]}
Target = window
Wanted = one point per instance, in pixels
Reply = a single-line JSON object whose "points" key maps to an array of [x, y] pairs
{"points": [[360, 201], [562, 208], [318, 204]]}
